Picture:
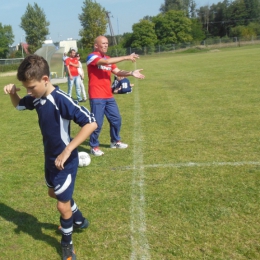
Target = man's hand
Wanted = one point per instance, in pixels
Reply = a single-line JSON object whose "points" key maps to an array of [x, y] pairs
{"points": [[137, 74], [11, 89], [133, 57]]}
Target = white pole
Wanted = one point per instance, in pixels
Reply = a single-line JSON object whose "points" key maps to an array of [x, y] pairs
{"points": [[22, 46]]}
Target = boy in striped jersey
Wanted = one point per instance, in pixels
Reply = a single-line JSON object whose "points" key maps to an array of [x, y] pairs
{"points": [[55, 110]]}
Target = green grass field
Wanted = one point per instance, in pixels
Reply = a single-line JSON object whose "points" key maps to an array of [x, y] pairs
{"points": [[188, 187]]}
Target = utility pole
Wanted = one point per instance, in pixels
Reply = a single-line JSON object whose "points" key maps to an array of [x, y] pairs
{"points": [[111, 28], [22, 46]]}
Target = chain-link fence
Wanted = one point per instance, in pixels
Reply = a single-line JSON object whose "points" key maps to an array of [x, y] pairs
{"points": [[10, 61], [208, 43]]}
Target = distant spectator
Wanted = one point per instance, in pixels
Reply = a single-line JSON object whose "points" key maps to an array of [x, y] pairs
{"points": [[121, 85], [64, 63], [81, 73], [72, 64]]}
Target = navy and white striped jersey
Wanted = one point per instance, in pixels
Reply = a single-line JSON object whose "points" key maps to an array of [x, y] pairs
{"points": [[55, 113]]}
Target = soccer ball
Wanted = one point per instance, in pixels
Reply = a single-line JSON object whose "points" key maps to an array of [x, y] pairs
{"points": [[84, 159]]}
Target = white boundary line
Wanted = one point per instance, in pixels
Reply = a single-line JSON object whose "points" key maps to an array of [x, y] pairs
{"points": [[191, 164], [139, 242]]}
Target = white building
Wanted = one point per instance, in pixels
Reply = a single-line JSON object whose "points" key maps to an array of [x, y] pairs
{"points": [[68, 44]]}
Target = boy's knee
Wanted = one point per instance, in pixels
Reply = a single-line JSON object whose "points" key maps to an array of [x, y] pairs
{"points": [[64, 207]]}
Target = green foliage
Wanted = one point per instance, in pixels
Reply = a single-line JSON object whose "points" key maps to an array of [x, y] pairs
{"points": [[197, 33], [238, 12], [255, 27], [126, 40], [253, 9], [172, 27], [9, 67], [35, 25], [6, 40], [187, 6], [171, 5], [245, 32], [143, 34], [115, 51], [93, 19], [84, 53], [219, 19]]}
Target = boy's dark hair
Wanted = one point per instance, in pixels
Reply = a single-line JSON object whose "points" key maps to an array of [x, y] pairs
{"points": [[33, 67]]}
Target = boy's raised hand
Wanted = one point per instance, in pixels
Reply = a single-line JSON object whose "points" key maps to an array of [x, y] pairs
{"points": [[11, 89]]}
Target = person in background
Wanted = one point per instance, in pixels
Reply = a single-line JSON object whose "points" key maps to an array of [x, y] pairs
{"points": [[72, 64], [102, 102], [121, 85], [81, 74], [55, 111], [64, 64]]}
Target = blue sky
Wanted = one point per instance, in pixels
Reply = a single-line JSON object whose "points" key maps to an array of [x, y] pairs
{"points": [[63, 15]]}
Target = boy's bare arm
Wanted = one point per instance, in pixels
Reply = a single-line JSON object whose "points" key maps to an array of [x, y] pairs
{"points": [[11, 89], [82, 135]]}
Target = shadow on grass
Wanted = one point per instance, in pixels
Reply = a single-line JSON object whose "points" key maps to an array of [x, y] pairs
{"points": [[29, 224], [81, 148], [104, 145]]}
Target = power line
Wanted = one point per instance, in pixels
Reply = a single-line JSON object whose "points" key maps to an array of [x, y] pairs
{"points": [[229, 21]]}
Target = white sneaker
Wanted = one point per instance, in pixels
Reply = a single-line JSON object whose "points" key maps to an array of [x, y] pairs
{"points": [[96, 151], [119, 145]]}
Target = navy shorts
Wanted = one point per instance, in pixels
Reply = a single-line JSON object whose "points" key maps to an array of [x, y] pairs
{"points": [[62, 181]]}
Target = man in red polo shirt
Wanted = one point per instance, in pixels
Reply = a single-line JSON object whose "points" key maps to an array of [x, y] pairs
{"points": [[72, 64], [101, 98]]}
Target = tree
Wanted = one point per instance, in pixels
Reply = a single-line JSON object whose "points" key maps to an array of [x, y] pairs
{"points": [[220, 18], [192, 6], [126, 40], [171, 5], [253, 9], [216, 18], [242, 31], [35, 25], [238, 13], [172, 27], [144, 36], [188, 6], [256, 27], [94, 22], [6, 39], [196, 31]]}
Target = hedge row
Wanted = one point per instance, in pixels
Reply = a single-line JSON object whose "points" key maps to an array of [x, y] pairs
{"points": [[9, 67]]}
